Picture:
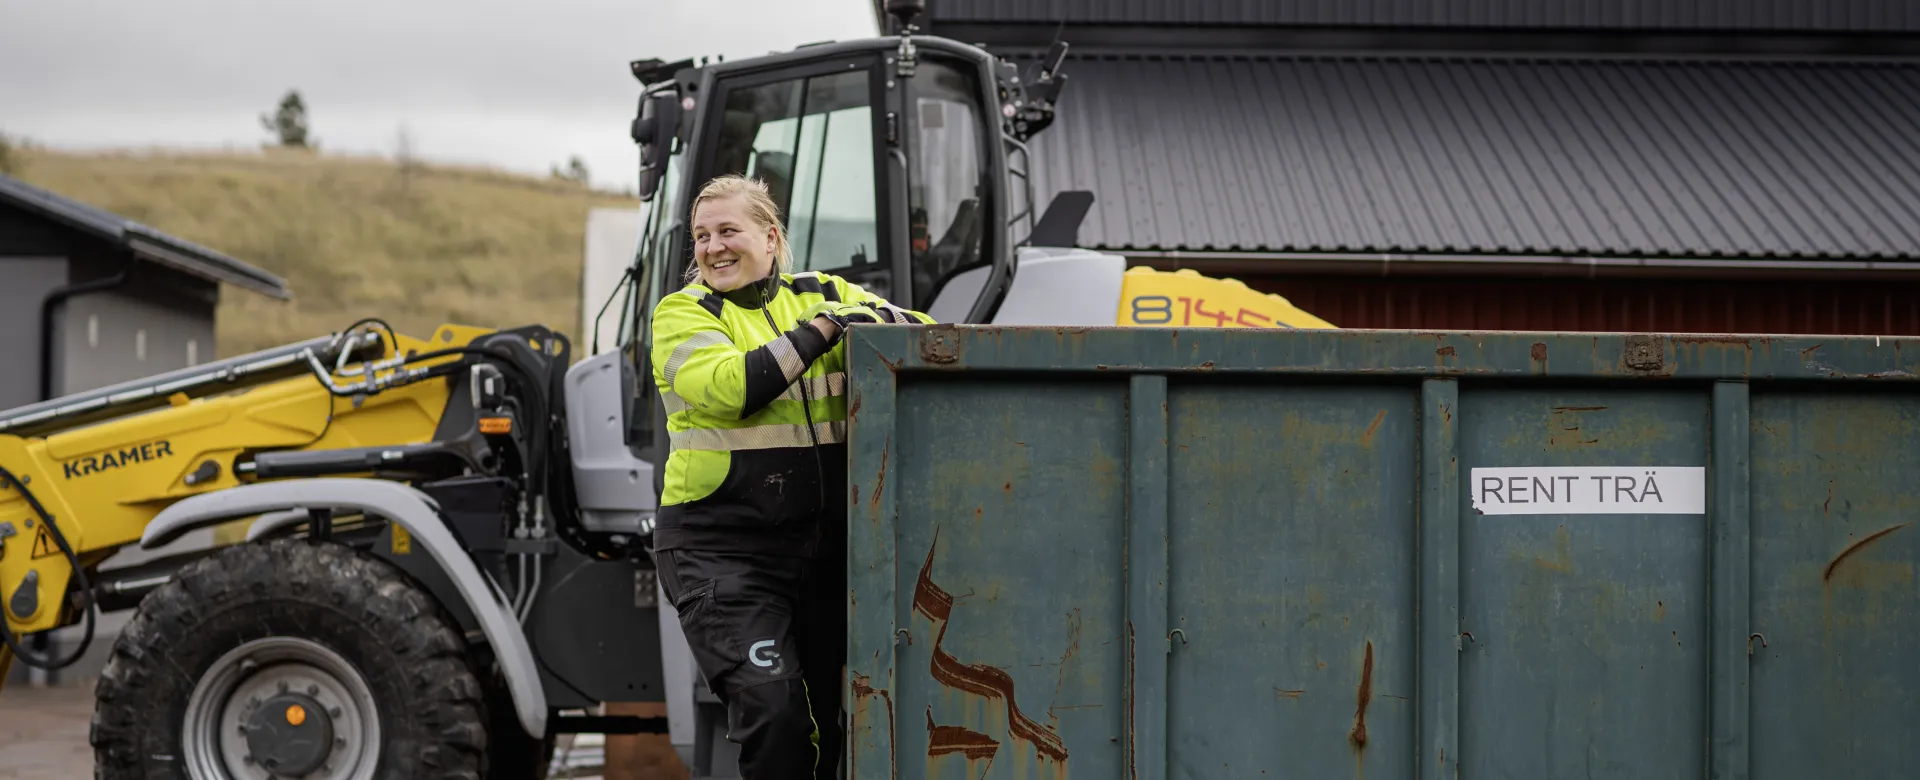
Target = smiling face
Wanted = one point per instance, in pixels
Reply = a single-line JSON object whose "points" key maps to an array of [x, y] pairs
{"points": [[732, 248]]}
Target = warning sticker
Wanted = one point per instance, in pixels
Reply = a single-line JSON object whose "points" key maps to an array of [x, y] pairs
{"points": [[43, 546], [1590, 490]]}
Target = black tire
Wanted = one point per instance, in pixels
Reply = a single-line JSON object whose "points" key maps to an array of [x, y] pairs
{"points": [[430, 709], [511, 753]]}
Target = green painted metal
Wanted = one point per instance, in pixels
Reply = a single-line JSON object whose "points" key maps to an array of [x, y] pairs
{"points": [[1439, 618], [1233, 553], [1732, 565], [1590, 632], [1834, 602], [1148, 641]]}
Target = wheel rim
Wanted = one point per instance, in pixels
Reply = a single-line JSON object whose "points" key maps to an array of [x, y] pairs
{"points": [[299, 675]]}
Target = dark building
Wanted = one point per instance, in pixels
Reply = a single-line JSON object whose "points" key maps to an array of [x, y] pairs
{"points": [[93, 299], [1681, 165]]}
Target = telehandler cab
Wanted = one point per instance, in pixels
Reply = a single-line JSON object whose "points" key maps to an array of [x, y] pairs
{"points": [[446, 545]]}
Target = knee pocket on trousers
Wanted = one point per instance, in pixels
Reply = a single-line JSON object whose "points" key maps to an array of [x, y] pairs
{"points": [[707, 635], [696, 605]]}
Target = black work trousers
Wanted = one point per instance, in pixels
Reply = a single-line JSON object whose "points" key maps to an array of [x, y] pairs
{"points": [[769, 635]]}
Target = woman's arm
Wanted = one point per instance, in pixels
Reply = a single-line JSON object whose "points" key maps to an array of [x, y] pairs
{"points": [[696, 360], [887, 312]]}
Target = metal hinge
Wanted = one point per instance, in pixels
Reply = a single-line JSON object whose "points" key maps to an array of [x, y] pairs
{"points": [[1645, 353]]}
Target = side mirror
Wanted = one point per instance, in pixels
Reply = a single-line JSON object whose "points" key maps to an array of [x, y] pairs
{"points": [[654, 130]]}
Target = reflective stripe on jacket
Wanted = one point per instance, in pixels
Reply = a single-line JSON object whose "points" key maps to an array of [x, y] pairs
{"points": [[749, 390]]}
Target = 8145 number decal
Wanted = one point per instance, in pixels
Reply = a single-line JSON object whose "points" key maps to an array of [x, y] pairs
{"points": [[1161, 310]]}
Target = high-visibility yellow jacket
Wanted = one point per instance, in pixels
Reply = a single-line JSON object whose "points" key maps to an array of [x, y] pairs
{"points": [[753, 467]]}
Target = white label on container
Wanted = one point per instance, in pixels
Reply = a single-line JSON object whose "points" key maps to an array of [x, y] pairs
{"points": [[1590, 490]]}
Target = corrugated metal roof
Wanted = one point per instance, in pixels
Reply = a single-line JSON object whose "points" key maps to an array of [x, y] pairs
{"points": [[1825, 15], [1484, 156], [148, 242]]}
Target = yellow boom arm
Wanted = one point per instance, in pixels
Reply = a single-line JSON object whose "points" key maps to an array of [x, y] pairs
{"points": [[103, 480]]}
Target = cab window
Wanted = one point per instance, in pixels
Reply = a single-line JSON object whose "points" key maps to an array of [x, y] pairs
{"points": [[811, 140]]}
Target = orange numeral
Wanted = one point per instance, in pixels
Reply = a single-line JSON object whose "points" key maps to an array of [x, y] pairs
{"points": [[1219, 317]]}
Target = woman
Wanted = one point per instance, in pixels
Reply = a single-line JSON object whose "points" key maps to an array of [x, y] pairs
{"points": [[750, 540]]}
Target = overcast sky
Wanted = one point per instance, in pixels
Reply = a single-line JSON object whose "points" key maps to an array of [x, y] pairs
{"points": [[519, 84]]}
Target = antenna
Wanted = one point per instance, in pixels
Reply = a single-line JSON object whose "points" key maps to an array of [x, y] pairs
{"points": [[903, 12]]}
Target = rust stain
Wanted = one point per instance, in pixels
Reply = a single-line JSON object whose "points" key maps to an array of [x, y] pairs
{"points": [[1807, 354], [1659, 611], [1825, 507], [1562, 566], [1856, 546], [1539, 351], [1446, 351], [1073, 646], [1207, 366], [947, 740], [863, 690], [1571, 426], [1562, 558], [936, 604], [1367, 440], [881, 483], [1710, 339], [1286, 694], [1365, 695]]}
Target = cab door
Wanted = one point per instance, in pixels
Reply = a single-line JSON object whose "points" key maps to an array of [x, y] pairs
{"points": [[815, 134]]}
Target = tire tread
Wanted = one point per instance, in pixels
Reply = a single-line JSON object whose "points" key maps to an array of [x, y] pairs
{"points": [[433, 713]]}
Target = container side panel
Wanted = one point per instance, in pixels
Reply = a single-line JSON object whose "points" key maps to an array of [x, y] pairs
{"points": [[1588, 619], [1731, 724], [1012, 502], [1293, 567], [872, 414], [1835, 686], [1439, 617]]}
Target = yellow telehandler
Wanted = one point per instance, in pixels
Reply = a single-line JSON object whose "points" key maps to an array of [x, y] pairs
{"points": [[418, 475]]}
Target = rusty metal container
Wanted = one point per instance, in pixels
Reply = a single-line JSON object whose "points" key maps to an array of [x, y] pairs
{"points": [[1106, 553]]}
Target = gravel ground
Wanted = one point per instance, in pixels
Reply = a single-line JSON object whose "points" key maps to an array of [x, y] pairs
{"points": [[43, 732], [43, 735]]}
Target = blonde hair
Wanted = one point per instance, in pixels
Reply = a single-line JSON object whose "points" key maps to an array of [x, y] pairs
{"points": [[760, 208]]}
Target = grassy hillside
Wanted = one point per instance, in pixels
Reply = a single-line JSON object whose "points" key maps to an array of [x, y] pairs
{"points": [[354, 237]]}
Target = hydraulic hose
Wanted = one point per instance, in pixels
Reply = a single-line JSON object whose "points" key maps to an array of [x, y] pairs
{"points": [[79, 574]]}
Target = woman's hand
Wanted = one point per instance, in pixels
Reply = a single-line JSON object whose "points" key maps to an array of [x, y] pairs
{"points": [[826, 327]]}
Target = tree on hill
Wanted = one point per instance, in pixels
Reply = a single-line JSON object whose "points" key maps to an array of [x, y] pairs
{"points": [[576, 171], [288, 122]]}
